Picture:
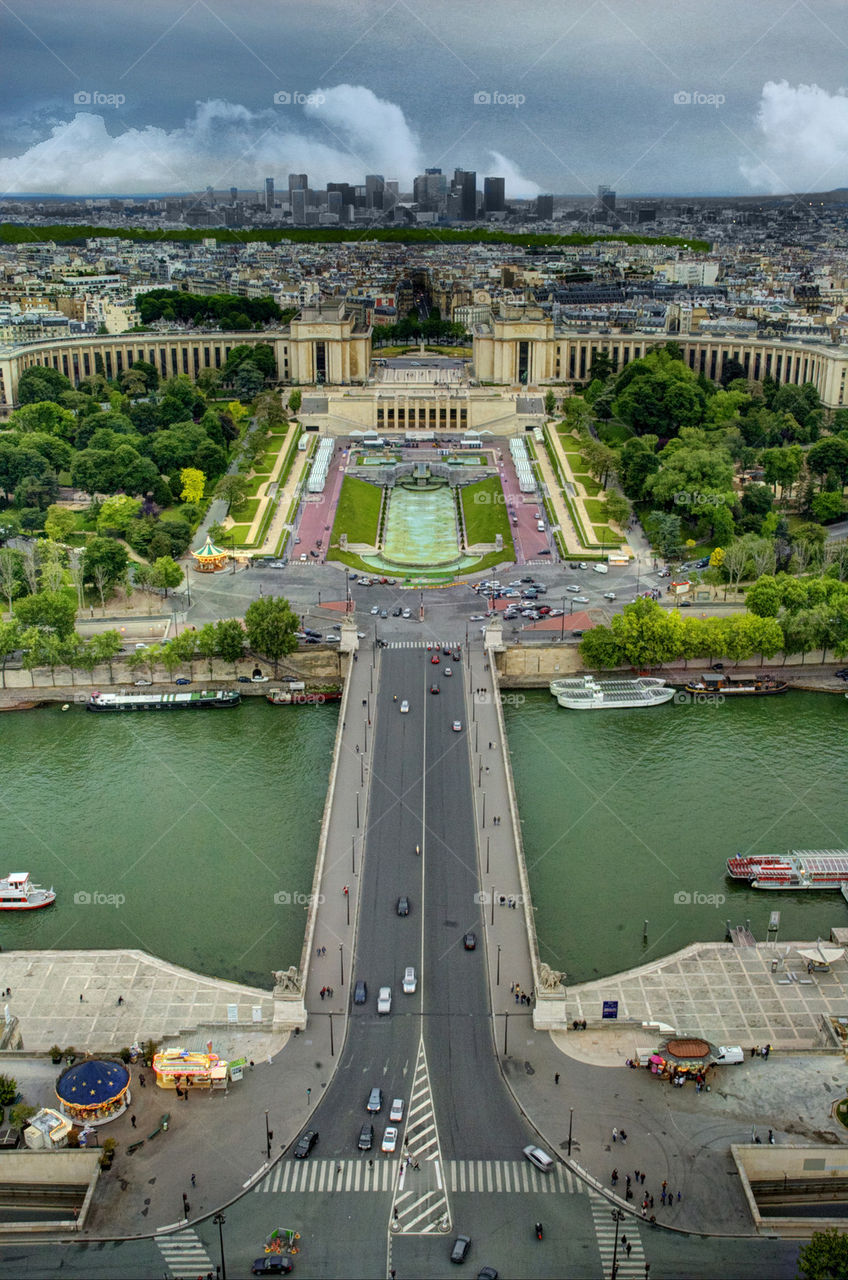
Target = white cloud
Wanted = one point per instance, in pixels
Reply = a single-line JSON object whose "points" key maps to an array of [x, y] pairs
{"points": [[803, 139], [517, 187], [223, 144]]}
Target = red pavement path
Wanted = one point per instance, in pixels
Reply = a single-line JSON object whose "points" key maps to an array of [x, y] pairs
{"points": [[528, 540], [317, 517]]}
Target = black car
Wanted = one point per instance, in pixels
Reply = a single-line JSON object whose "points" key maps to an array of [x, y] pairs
{"points": [[546, 551], [245, 680], [461, 1245], [273, 1264], [360, 992], [403, 906], [842, 673], [305, 1144], [397, 612], [470, 942], [366, 1137]]}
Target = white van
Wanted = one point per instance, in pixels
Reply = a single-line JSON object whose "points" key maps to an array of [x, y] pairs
{"points": [[729, 1055], [600, 568], [539, 1158], [540, 525]]}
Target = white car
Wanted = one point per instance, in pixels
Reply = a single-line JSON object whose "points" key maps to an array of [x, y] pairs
{"points": [[390, 1140], [477, 617], [304, 556], [609, 595], [582, 565], [141, 646], [376, 609], [407, 613], [260, 679], [384, 1000], [572, 586], [396, 1113], [600, 568], [143, 682], [331, 639], [581, 599], [404, 707], [448, 671], [457, 726], [409, 981]]}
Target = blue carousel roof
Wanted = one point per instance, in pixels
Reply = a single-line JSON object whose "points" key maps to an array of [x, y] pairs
{"points": [[93, 1082]]}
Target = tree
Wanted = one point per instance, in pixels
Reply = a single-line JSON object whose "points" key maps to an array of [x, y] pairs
{"points": [[193, 483], [166, 573], [550, 403], [40, 382], [117, 514], [105, 554], [233, 490], [271, 626], [59, 522], [10, 574], [665, 531], [10, 642], [184, 643], [248, 381], [171, 658], [45, 417], [617, 509], [55, 611], [764, 598], [829, 456], [206, 640], [826, 1256], [230, 638], [295, 399], [827, 506], [600, 650]]}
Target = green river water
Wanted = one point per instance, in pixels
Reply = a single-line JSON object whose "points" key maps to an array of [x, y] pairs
{"points": [[198, 820]]}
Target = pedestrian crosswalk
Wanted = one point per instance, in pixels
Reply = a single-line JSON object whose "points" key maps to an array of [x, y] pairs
{"points": [[627, 1264], [435, 645], [379, 1172], [362, 1173], [185, 1255], [494, 1176]]}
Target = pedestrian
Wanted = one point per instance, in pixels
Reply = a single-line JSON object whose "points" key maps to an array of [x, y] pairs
{"points": [[186, 1208], [755, 1051], [662, 1198], [330, 991], [193, 1180], [771, 1138], [644, 1212], [615, 1138], [627, 1179], [636, 1174], [323, 992], [251, 1064], [627, 1247], [81, 1000], [767, 1051], [370, 1164], [179, 1091], [651, 1198], [556, 1077], [132, 1121], [621, 1134], [517, 998], [357, 748], [120, 1001], [141, 1081], [664, 1185], [679, 1197], [614, 1177], [642, 1179]]}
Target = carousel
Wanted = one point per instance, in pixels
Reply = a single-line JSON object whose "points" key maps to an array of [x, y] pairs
{"points": [[94, 1091], [679, 1060], [209, 558]]}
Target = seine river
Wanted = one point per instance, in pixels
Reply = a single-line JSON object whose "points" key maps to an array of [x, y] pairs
{"points": [[630, 816], [180, 829], [174, 833]]}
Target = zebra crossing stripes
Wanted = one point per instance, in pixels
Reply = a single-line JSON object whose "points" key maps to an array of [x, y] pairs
{"points": [[420, 1204], [628, 1233], [185, 1255], [435, 645], [496, 1176], [329, 1176]]}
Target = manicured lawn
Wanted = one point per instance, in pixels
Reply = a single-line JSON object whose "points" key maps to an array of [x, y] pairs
{"points": [[484, 511], [246, 511], [613, 432], [575, 460], [605, 535], [358, 512], [589, 485], [595, 509], [238, 534]]}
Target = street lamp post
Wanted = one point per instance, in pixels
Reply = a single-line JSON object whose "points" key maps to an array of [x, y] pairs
{"points": [[269, 1133], [570, 1126], [341, 961], [219, 1221], [562, 625], [497, 978]]}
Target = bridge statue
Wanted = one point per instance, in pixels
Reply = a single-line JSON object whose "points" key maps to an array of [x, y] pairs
{"points": [[550, 979], [286, 980]]}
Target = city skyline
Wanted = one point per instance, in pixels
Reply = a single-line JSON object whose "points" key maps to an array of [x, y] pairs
{"points": [[597, 94]]}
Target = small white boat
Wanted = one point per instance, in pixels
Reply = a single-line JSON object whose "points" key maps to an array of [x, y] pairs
{"points": [[585, 693], [18, 893]]}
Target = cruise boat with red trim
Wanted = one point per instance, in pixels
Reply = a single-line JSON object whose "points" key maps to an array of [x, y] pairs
{"points": [[18, 893], [735, 686], [798, 869]]}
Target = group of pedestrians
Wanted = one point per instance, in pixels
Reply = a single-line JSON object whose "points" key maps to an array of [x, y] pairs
{"points": [[328, 992], [667, 1196], [521, 997]]}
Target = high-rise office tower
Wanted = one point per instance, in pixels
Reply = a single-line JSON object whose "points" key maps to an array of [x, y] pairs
{"points": [[545, 208], [233, 194], [374, 184], [269, 194], [297, 182], [464, 187], [606, 199], [493, 195], [298, 204]]}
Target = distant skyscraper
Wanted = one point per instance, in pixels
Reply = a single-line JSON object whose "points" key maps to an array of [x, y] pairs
{"points": [[297, 182], [606, 199], [269, 194], [493, 195], [210, 195], [374, 184], [464, 187], [233, 194], [334, 202], [544, 208], [298, 204]]}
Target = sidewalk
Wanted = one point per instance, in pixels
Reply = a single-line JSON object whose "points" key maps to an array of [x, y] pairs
{"points": [[290, 1073]]}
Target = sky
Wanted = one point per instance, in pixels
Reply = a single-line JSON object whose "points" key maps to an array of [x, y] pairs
{"points": [[665, 97]]}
